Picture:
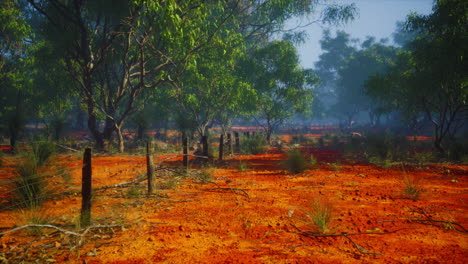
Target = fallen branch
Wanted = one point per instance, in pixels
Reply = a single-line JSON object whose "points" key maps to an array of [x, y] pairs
{"points": [[347, 236], [233, 190], [67, 232], [437, 222]]}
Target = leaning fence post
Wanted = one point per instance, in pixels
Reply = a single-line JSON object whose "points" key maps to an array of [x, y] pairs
{"points": [[86, 178], [150, 167], [185, 150], [221, 149]]}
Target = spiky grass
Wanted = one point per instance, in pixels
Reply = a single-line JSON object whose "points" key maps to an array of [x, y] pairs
{"points": [[321, 215]]}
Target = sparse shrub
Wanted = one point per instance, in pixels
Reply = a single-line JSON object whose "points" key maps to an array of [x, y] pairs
{"points": [[169, 183], [42, 151], [35, 216], [256, 144], [243, 167], [312, 161], [457, 150], [296, 162], [321, 215], [412, 188], [336, 166], [29, 186], [133, 191], [205, 176], [424, 157], [382, 163], [384, 148]]}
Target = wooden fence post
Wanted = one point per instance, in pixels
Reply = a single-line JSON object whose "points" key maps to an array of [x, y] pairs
{"points": [[236, 135], [185, 151], [229, 143], [221, 145], [150, 167], [86, 191], [205, 146]]}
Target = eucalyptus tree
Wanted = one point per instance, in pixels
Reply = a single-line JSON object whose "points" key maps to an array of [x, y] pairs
{"points": [[431, 77], [336, 50], [14, 82], [115, 50], [282, 86], [210, 88], [351, 94]]}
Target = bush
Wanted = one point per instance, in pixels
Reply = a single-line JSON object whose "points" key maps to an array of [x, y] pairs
{"points": [[296, 162], [412, 189], [424, 157], [321, 215], [384, 148], [243, 167], [382, 163], [205, 176], [29, 186], [256, 144], [42, 151]]}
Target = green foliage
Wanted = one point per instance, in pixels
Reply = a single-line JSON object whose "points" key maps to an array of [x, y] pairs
{"points": [[424, 157], [412, 189], [384, 148], [296, 162], [321, 215], [425, 81], [30, 185], [383, 163], [42, 151], [256, 144], [336, 166], [282, 86], [205, 176], [134, 191], [243, 167]]}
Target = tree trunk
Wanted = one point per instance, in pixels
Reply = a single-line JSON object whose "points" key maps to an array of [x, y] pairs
{"points": [[121, 140]]}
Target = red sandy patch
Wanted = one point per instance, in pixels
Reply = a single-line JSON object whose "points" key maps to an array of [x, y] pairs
{"points": [[208, 223]]}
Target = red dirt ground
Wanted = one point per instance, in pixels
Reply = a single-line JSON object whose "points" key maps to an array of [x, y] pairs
{"points": [[219, 223]]}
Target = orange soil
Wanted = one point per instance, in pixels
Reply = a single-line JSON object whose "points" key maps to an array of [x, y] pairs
{"points": [[204, 223]]}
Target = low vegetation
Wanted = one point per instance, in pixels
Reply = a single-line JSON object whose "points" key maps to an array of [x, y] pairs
{"points": [[296, 162], [321, 215]]}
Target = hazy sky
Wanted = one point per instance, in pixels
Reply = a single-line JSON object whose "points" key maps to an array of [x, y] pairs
{"points": [[376, 18]]}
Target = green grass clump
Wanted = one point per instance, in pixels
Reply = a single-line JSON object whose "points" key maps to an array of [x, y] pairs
{"points": [[29, 186], [134, 191], [382, 163], [255, 144], [321, 215], [205, 176], [412, 189], [296, 162], [42, 151], [243, 167]]}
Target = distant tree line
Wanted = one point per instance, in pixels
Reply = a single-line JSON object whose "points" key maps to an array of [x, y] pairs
{"points": [[422, 80]]}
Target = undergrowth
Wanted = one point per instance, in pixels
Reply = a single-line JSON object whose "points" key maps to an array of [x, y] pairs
{"points": [[256, 144], [295, 162]]}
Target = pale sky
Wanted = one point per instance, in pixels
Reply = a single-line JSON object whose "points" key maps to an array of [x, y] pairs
{"points": [[376, 18]]}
